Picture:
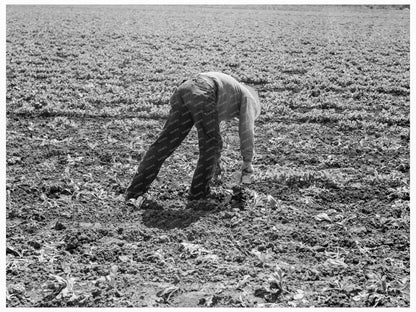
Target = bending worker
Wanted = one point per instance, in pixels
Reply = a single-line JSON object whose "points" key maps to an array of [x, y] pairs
{"points": [[204, 100]]}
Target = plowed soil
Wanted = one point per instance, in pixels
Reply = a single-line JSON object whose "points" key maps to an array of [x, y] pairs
{"points": [[325, 220]]}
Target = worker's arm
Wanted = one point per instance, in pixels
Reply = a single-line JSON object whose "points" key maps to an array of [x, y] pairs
{"points": [[246, 132]]}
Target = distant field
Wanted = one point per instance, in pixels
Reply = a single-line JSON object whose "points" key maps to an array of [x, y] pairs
{"points": [[325, 222]]}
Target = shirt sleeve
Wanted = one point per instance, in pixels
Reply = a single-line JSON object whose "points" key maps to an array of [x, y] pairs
{"points": [[246, 127]]}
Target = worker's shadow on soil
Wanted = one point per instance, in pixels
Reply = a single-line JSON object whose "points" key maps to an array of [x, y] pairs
{"points": [[159, 216]]}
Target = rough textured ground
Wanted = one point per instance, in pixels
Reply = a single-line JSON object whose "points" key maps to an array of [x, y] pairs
{"points": [[325, 221]]}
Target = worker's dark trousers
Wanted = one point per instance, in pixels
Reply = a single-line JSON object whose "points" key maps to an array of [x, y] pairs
{"points": [[194, 102]]}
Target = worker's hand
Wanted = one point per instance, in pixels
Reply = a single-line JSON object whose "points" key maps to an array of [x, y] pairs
{"points": [[247, 171], [247, 167], [218, 172]]}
